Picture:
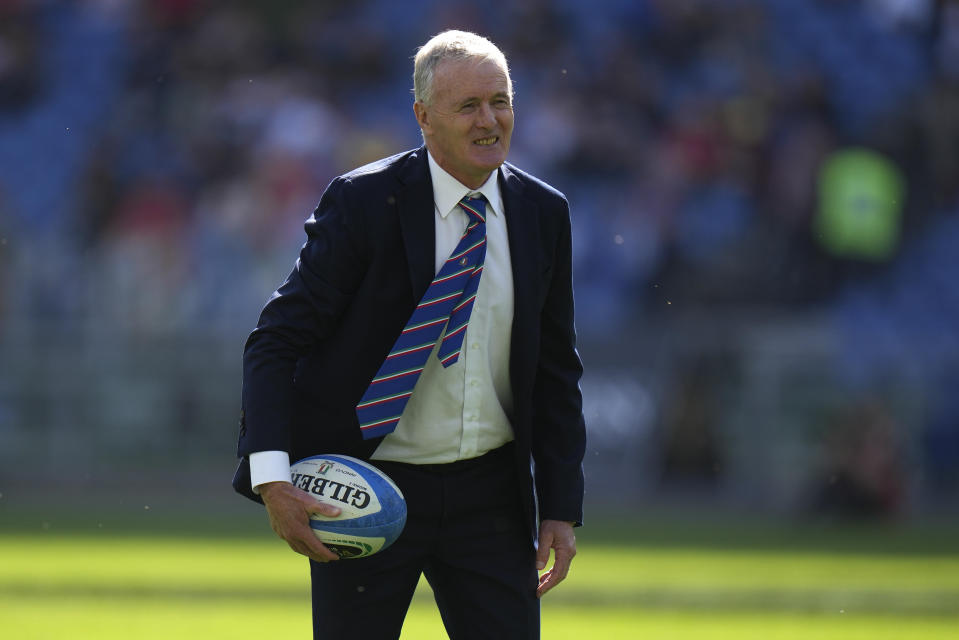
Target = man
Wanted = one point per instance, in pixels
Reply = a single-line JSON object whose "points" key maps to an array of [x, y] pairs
{"points": [[378, 243]]}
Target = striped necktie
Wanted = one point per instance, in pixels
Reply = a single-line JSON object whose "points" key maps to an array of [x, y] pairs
{"points": [[447, 304]]}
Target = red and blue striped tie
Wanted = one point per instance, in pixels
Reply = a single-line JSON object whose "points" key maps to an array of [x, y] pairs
{"points": [[445, 305]]}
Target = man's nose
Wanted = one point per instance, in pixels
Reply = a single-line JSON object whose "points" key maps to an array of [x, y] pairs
{"points": [[485, 117]]}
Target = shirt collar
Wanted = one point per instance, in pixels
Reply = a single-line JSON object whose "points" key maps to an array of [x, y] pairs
{"points": [[448, 191]]}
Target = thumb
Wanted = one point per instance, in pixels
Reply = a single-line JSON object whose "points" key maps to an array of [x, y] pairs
{"points": [[542, 549]]}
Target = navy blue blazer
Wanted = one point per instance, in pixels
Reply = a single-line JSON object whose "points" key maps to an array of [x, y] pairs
{"points": [[368, 259]]}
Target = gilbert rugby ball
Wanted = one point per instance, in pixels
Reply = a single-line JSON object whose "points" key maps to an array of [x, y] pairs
{"points": [[373, 509]]}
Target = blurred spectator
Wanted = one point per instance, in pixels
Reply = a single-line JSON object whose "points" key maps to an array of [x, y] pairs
{"points": [[5, 262], [947, 49], [860, 205], [864, 473], [691, 455], [691, 130], [162, 155], [903, 14], [937, 119], [20, 68], [940, 439], [141, 265]]}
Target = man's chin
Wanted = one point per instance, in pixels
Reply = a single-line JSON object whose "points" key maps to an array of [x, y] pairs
{"points": [[489, 161]]}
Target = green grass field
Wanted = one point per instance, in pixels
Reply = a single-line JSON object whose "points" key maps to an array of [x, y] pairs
{"points": [[637, 580]]}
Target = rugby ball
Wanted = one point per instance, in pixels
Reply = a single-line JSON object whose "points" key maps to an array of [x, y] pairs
{"points": [[373, 508]]}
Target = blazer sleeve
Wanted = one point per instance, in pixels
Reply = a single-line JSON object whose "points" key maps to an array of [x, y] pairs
{"points": [[297, 317], [559, 432]]}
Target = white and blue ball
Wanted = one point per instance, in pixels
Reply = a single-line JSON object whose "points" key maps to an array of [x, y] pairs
{"points": [[373, 508]]}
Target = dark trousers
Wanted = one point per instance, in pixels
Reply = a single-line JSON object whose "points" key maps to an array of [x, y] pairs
{"points": [[466, 532]]}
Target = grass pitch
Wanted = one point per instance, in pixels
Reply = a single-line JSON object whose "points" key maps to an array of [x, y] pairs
{"points": [[644, 580]]}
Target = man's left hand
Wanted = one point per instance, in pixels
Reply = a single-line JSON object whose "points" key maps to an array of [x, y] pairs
{"points": [[556, 535]]}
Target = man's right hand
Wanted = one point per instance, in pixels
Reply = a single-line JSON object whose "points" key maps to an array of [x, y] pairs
{"points": [[290, 509]]}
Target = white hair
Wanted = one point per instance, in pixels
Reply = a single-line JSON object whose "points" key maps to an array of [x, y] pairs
{"points": [[452, 45]]}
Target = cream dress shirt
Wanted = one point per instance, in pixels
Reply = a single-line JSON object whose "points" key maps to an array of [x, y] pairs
{"points": [[464, 410]]}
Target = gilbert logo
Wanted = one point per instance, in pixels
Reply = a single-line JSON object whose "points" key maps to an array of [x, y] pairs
{"points": [[323, 468]]}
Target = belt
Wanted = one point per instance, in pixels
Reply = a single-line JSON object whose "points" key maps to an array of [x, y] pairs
{"points": [[444, 468]]}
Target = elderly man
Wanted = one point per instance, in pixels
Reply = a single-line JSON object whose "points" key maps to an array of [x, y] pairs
{"points": [[486, 440]]}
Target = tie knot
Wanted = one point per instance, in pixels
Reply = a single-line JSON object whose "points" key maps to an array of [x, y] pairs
{"points": [[475, 207]]}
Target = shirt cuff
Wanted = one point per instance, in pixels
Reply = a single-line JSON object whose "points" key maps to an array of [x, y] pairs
{"points": [[269, 466]]}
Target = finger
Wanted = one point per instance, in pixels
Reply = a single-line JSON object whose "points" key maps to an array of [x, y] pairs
{"points": [[551, 578], [542, 549], [543, 585], [323, 509], [562, 559], [546, 582], [560, 568], [321, 553], [311, 547], [290, 510]]}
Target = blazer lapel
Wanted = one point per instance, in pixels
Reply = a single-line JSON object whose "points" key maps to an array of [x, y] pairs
{"points": [[522, 226], [522, 216], [414, 204]]}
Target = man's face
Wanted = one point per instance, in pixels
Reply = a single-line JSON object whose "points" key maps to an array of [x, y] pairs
{"points": [[467, 127]]}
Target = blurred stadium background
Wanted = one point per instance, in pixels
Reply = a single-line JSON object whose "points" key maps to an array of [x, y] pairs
{"points": [[766, 217], [766, 220]]}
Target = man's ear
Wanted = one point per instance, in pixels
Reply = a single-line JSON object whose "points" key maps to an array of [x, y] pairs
{"points": [[422, 116]]}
